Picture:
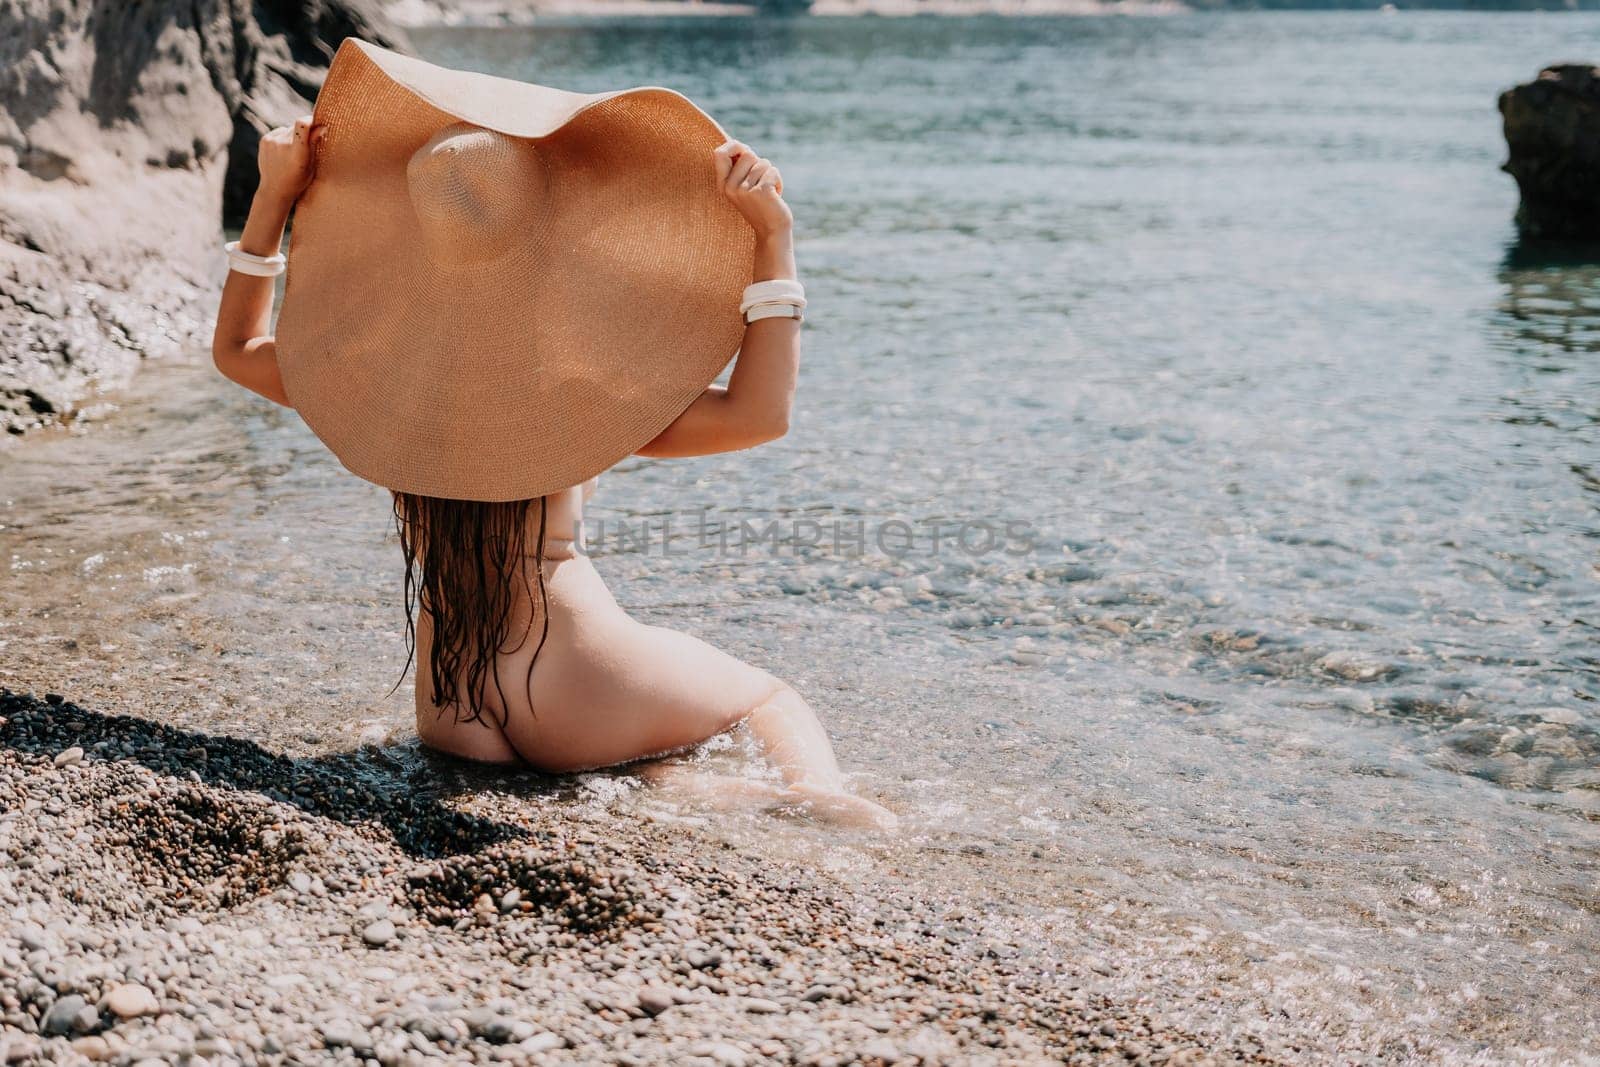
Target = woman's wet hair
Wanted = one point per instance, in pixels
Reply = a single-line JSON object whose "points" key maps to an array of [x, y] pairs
{"points": [[463, 560]]}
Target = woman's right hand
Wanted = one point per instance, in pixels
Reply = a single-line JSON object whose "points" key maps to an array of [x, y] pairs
{"points": [[755, 187], [287, 157]]}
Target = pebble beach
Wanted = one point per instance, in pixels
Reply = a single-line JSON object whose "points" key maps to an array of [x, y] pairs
{"points": [[174, 897]]}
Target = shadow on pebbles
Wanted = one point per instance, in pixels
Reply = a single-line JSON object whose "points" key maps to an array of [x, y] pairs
{"points": [[172, 897]]}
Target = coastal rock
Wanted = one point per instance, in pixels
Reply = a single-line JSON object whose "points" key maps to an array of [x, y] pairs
{"points": [[1552, 130], [126, 133]]}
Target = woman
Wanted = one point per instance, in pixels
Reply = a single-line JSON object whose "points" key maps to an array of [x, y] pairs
{"points": [[523, 656]]}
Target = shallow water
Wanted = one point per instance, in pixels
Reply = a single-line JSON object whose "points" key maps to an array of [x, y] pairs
{"points": [[1292, 693]]}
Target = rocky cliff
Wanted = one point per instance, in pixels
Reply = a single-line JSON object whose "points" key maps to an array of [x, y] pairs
{"points": [[127, 130], [1552, 127]]}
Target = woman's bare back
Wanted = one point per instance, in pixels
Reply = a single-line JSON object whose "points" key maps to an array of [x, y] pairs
{"points": [[605, 688]]}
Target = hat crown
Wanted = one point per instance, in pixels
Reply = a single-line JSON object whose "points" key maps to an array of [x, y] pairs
{"points": [[475, 192]]}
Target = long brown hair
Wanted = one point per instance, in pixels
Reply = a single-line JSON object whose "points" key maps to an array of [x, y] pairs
{"points": [[462, 560]]}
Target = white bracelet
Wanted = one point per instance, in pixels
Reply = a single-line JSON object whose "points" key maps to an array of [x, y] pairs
{"points": [[772, 310], [252, 264], [773, 291]]}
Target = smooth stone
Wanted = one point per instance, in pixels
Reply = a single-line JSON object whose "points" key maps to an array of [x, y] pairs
{"points": [[496, 1028], [93, 1047], [129, 1001], [341, 1032], [762, 1006], [655, 1000], [69, 756], [19, 1049], [378, 933], [720, 1051], [64, 1015], [880, 1049], [541, 1043]]}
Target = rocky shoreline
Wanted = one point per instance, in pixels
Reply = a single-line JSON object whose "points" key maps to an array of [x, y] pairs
{"points": [[127, 140], [175, 897]]}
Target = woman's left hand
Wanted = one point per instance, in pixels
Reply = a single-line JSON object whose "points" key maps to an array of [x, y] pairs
{"points": [[287, 158], [755, 187]]}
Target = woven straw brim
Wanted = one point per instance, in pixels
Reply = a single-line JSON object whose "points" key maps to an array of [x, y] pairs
{"points": [[509, 371]]}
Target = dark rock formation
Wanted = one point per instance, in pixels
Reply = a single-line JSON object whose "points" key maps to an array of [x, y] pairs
{"points": [[1552, 127], [126, 128]]}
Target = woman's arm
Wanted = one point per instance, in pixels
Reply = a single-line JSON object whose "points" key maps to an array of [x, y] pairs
{"points": [[754, 406], [242, 344]]}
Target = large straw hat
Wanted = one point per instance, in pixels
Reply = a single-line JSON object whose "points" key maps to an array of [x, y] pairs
{"points": [[497, 290]]}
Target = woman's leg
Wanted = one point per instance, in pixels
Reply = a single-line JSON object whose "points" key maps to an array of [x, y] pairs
{"points": [[609, 690], [794, 741]]}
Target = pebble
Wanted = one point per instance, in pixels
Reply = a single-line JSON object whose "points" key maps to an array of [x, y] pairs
{"points": [[655, 1000], [212, 1047], [721, 1052], [93, 1047], [338, 1033], [762, 1006], [378, 933], [67, 757], [703, 961], [541, 1043], [498, 1029], [18, 1049], [880, 1049], [70, 1013], [129, 1001], [1353, 667]]}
